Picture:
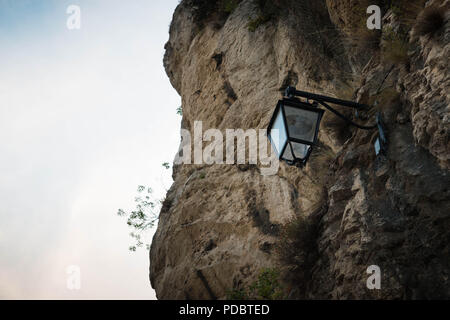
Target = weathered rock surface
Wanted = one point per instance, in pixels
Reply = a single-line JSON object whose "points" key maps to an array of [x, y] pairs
{"points": [[220, 223]]}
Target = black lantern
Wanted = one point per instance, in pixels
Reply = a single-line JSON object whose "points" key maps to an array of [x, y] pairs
{"points": [[293, 130], [295, 124]]}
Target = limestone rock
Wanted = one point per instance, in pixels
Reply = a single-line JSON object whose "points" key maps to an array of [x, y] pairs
{"points": [[221, 223]]}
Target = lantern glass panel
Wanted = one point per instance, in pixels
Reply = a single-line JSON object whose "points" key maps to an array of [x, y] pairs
{"points": [[278, 133], [301, 123], [300, 150], [287, 155]]}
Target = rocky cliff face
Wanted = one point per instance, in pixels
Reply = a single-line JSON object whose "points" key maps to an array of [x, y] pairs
{"points": [[220, 224]]}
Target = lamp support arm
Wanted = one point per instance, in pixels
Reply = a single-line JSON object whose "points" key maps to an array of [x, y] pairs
{"points": [[292, 91], [347, 119]]}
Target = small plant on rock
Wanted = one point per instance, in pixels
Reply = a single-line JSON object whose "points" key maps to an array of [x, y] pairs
{"points": [[230, 5], [142, 218], [267, 10], [395, 46], [297, 248], [145, 215], [266, 287], [430, 21]]}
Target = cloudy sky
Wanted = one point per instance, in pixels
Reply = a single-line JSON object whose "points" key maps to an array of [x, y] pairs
{"points": [[85, 117]]}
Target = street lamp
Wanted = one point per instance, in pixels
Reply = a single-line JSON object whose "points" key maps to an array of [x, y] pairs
{"points": [[294, 126], [293, 130]]}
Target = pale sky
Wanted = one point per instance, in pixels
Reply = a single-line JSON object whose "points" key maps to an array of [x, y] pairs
{"points": [[85, 117]]}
